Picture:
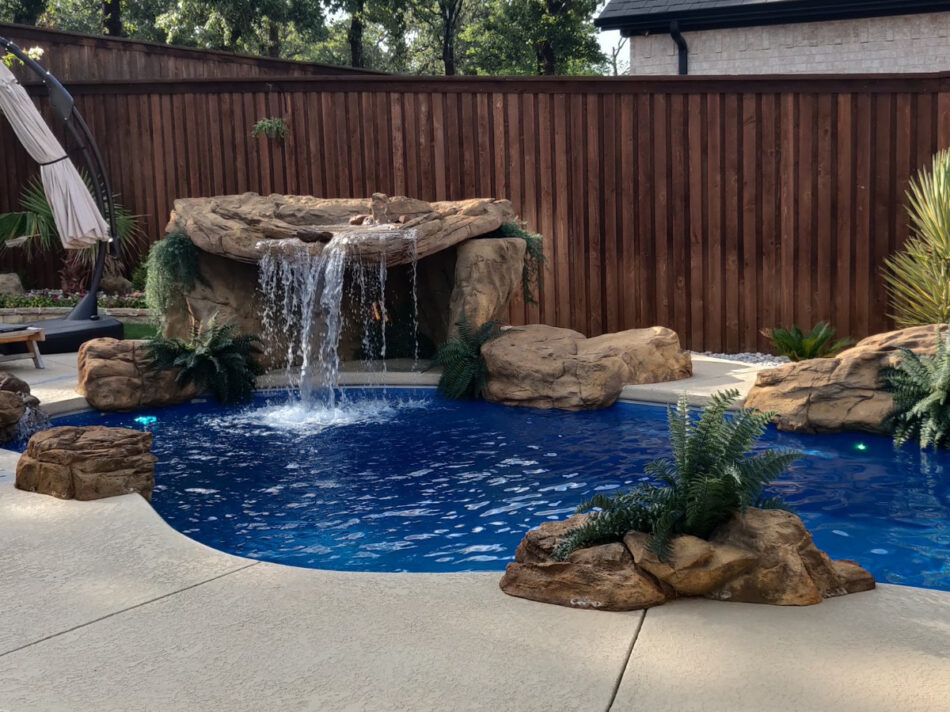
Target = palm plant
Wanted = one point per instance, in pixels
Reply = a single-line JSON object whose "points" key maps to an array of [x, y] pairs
{"points": [[463, 368], [918, 277], [799, 346], [710, 477], [33, 230], [920, 385], [215, 359]]}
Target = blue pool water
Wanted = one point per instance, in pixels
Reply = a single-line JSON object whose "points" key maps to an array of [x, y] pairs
{"points": [[420, 483]]}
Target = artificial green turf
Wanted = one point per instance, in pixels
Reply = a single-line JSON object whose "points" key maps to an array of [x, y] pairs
{"points": [[138, 331]]}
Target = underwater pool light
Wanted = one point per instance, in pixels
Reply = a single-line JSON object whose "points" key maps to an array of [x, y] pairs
{"points": [[861, 446], [146, 420]]}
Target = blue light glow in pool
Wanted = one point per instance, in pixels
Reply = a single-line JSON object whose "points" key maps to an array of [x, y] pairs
{"points": [[419, 483]]}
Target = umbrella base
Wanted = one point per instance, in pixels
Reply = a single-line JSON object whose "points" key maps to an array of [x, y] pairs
{"points": [[67, 335]]}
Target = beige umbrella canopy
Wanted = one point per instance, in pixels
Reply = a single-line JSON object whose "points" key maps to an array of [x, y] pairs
{"points": [[78, 220]]}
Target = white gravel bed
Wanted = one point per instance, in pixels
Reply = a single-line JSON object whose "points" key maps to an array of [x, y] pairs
{"points": [[757, 359]]}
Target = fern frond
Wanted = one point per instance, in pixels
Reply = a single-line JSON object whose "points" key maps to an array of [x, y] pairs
{"points": [[710, 477]]}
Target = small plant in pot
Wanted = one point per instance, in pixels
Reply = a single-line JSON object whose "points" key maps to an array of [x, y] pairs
{"points": [[216, 359], [273, 127]]}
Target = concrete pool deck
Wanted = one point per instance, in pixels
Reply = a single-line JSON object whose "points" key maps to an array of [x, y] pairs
{"points": [[105, 607]]}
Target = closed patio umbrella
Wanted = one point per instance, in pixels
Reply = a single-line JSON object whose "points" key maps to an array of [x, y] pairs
{"points": [[78, 220]]}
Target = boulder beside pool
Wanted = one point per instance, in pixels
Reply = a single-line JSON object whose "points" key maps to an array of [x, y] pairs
{"points": [[85, 463], [843, 393], [548, 367], [116, 375], [760, 556]]}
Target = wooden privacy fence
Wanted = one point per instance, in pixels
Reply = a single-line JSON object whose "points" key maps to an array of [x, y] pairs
{"points": [[714, 206]]}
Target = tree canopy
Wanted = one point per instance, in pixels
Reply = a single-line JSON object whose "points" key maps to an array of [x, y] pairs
{"points": [[406, 36]]}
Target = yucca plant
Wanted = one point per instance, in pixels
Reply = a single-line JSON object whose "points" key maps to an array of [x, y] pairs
{"points": [[216, 359], [918, 276], [710, 477], [920, 385], [463, 368], [171, 270], [532, 275], [800, 346]]}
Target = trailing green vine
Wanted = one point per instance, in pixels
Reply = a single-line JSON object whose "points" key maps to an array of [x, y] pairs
{"points": [[532, 276], [172, 271]]}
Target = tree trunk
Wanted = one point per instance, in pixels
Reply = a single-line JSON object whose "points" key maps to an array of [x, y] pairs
{"points": [[355, 36], [547, 62], [27, 12], [448, 53], [273, 38], [112, 17], [449, 11]]}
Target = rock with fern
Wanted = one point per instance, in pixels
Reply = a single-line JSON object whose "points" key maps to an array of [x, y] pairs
{"points": [[217, 360], [842, 393], [701, 525]]}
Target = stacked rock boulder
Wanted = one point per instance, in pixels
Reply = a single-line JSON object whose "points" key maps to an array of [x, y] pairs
{"points": [[760, 556], [115, 375], [87, 463], [15, 402], [548, 367]]}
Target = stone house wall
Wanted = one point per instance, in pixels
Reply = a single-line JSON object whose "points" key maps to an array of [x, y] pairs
{"points": [[903, 43]]}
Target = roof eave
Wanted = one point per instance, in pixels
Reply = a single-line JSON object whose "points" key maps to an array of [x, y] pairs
{"points": [[767, 14]]}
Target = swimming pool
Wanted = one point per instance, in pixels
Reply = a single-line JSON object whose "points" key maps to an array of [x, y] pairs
{"points": [[408, 481]]}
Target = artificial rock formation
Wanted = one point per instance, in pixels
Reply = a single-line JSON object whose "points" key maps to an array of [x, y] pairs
{"points": [[791, 570], [454, 270], [116, 375], [600, 577], [86, 463], [232, 225], [10, 284], [16, 402], [840, 393], [548, 367], [487, 275], [761, 556]]}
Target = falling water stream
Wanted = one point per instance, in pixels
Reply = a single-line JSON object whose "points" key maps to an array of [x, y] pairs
{"points": [[303, 310]]}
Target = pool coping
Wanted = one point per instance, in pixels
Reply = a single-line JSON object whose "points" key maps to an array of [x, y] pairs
{"points": [[106, 582]]}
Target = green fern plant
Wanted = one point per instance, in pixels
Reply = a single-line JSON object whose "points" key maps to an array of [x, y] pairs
{"points": [[920, 385], [799, 346], [171, 271], [532, 275], [918, 276], [215, 359], [710, 476], [463, 368], [272, 127]]}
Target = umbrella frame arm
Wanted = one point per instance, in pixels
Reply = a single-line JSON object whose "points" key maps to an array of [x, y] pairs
{"points": [[64, 108]]}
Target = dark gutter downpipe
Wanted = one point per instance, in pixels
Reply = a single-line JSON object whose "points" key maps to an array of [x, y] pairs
{"points": [[681, 45]]}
